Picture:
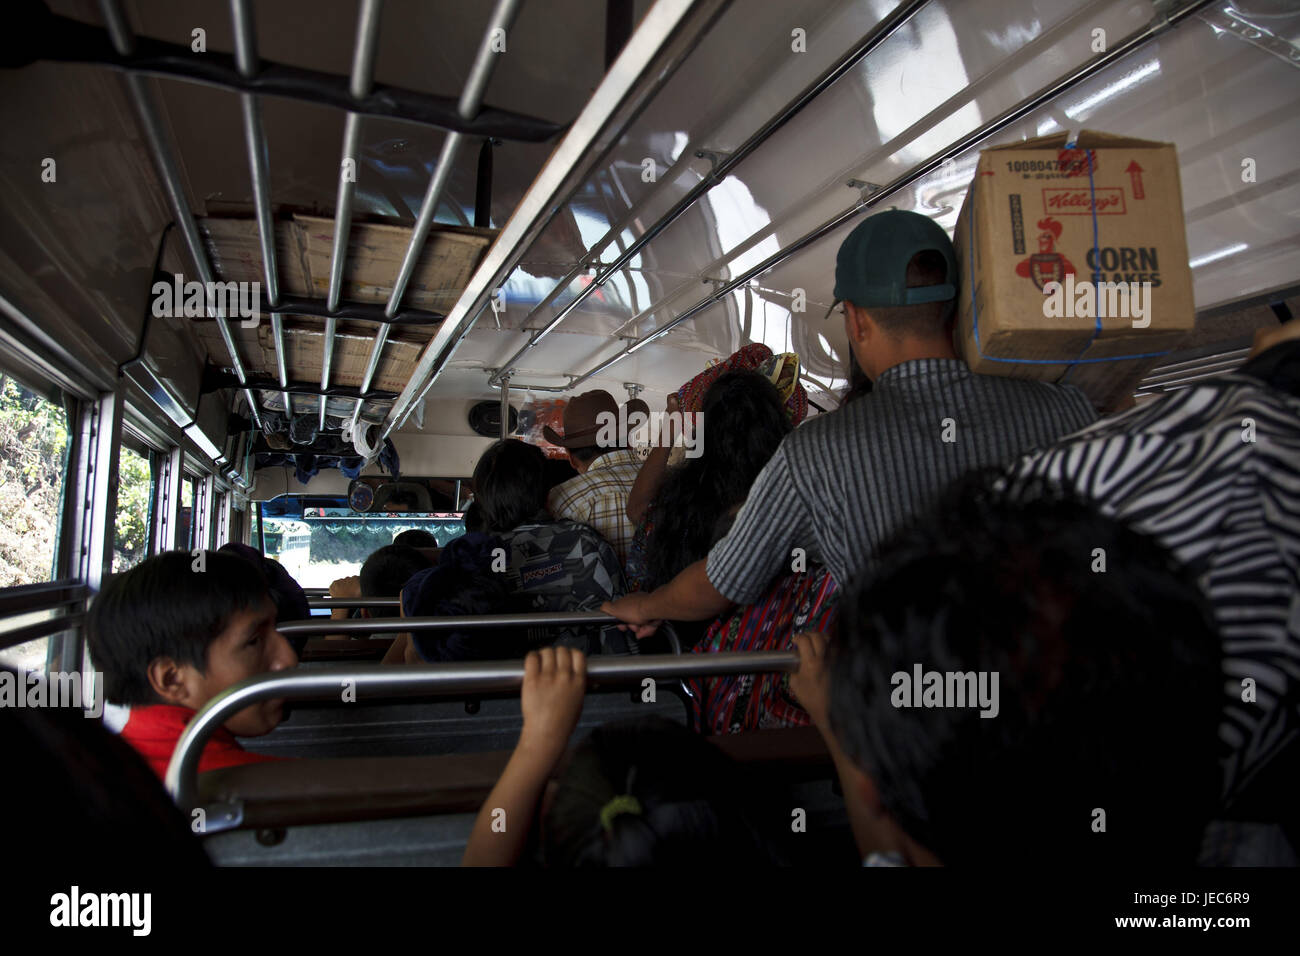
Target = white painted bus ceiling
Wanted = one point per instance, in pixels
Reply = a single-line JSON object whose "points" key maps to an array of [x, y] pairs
{"points": [[956, 65]]}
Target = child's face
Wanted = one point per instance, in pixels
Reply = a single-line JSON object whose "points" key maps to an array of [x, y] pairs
{"points": [[249, 645]]}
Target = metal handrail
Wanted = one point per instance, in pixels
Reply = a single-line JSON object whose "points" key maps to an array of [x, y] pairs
{"points": [[478, 677], [399, 625], [329, 602]]}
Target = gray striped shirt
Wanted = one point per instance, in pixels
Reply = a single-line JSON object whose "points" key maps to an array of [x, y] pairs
{"points": [[841, 484]]}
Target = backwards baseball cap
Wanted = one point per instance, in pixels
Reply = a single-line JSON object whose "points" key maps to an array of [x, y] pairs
{"points": [[871, 267]]}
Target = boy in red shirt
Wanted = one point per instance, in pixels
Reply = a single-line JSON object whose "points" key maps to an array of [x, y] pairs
{"points": [[175, 631]]}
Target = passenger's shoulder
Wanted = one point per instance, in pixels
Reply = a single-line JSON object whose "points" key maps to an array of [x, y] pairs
{"points": [[826, 425]]}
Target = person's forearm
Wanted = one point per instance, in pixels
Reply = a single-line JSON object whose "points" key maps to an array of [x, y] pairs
{"points": [[647, 483], [396, 653], [501, 830], [690, 596]]}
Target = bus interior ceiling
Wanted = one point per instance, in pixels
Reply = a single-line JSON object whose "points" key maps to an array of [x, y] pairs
{"points": [[715, 183], [584, 210]]}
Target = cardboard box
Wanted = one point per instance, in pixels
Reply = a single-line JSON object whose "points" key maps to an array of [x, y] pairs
{"points": [[1074, 263]]}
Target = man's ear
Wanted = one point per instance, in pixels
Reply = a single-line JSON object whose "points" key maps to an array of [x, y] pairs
{"points": [[167, 678], [857, 325]]}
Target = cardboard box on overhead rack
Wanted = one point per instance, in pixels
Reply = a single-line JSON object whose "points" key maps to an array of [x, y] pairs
{"points": [[1073, 262]]}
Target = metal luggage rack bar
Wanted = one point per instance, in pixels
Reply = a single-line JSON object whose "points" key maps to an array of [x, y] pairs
{"points": [[63, 39], [244, 73], [882, 31], [379, 681], [1128, 45], [165, 163]]}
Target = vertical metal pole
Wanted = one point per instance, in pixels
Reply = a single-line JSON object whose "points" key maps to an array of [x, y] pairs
{"points": [[505, 407], [363, 69]]}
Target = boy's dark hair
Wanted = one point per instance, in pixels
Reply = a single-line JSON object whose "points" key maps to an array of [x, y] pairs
{"points": [[386, 572], [510, 485], [746, 423], [653, 793], [1109, 685], [416, 538], [464, 584], [166, 607]]}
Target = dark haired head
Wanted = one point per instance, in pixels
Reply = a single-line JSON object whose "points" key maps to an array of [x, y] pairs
{"points": [[172, 605], [386, 572], [510, 485], [288, 595], [1108, 693], [558, 471], [464, 584], [587, 455], [745, 421], [653, 793], [416, 538], [473, 518]]}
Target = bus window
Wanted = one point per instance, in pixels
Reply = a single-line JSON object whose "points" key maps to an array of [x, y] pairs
{"points": [[134, 501], [33, 455], [328, 543], [289, 542]]}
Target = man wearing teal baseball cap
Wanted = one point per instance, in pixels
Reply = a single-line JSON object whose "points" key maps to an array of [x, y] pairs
{"points": [[842, 483]]}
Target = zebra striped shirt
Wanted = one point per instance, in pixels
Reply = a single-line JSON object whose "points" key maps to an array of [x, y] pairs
{"points": [[1213, 472], [843, 482]]}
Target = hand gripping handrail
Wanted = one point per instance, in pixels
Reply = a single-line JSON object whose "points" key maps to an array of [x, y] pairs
{"points": [[377, 680]]}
